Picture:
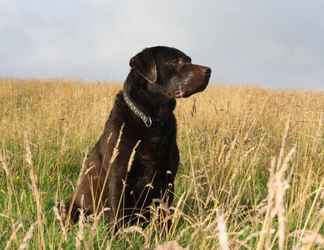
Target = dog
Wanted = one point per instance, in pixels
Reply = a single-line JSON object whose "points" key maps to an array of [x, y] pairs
{"points": [[135, 160]]}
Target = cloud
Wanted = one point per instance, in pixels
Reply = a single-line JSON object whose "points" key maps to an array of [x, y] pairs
{"points": [[274, 43]]}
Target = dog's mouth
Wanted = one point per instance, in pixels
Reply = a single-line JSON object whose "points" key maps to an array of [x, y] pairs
{"points": [[184, 91], [179, 93]]}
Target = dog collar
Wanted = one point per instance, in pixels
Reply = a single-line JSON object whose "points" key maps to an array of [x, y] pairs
{"points": [[145, 118]]}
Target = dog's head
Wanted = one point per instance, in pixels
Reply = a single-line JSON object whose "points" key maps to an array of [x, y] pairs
{"points": [[169, 72]]}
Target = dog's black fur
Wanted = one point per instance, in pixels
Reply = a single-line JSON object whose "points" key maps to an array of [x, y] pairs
{"points": [[124, 186]]}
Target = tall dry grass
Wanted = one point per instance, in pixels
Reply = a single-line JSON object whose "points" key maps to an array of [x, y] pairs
{"points": [[251, 172]]}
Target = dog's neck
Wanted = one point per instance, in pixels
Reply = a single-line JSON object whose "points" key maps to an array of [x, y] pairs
{"points": [[147, 120], [146, 107]]}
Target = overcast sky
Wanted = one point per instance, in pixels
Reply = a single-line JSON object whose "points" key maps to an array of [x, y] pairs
{"points": [[277, 44]]}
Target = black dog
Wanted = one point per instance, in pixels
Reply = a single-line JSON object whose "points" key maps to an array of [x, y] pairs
{"points": [[136, 158]]}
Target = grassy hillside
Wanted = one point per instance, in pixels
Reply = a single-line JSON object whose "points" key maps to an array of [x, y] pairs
{"points": [[251, 173]]}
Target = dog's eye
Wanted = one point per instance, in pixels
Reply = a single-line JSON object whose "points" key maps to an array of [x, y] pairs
{"points": [[177, 63], [181, 62], [174, 62]]}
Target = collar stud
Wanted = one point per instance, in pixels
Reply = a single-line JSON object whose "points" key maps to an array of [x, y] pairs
{"points": [[147, 120]]}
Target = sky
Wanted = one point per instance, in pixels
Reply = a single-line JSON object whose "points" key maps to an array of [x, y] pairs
{"points": [[277, 44]]}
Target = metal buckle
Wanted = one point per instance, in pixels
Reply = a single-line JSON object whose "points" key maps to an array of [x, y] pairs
{"points": [[148, 122]]}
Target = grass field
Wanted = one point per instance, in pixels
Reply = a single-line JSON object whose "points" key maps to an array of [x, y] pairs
{"points": [[251, 173]]}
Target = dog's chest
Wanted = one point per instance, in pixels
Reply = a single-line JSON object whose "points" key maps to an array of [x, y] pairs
{"points": [[157, 140], [150, 159], [153, 149], [145, 176], [152, 152]]}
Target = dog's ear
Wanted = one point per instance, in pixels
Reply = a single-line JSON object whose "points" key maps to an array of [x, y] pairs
{"points": [[144, 64]]}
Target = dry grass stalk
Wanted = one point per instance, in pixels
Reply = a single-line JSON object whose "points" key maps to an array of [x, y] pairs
{"points": [[222, 232], [283, 144], [112, 159], [36, 194], [170, 245], [4, 164], [60, 215], [27, 238], [309, 238], [15, 228], [116, 148], [134, 229], [96, 219], [68, 216], [80, 234], [277, 186], [131, 158], [9, 176]]}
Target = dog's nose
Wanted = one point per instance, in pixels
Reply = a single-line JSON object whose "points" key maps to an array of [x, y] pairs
{"points": [[207, 72]]}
